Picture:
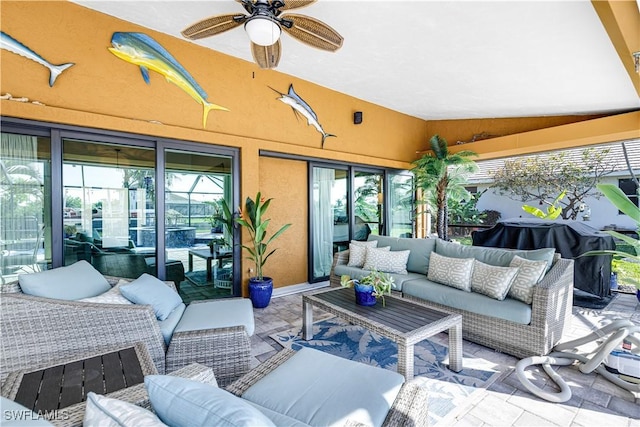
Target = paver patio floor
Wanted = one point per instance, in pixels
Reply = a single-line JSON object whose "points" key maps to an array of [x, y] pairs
{"points": [[595, 401]]}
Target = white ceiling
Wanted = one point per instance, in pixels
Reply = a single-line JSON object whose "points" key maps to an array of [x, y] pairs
{"points": [[435, 60]]}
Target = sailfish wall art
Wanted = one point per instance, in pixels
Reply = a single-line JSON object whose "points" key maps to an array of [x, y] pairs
{"points": [[141, 50], [301, 108], [12, 45]]}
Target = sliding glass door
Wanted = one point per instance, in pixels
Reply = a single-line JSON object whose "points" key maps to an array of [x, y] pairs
{"points": [[109, 207], [25, 205], [401, 205], [198, 195], [346, 203], [330, 218], [368, 201], [127, 204]]}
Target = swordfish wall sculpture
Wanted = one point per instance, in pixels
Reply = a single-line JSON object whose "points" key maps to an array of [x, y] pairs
{"points": [[301, 108]]}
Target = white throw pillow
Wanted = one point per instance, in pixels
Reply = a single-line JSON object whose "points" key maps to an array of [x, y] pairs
{"points": [[529, 274], [358, 251], [383, 259], [108, 412], [73, 282], [491, 280], [454, 272], [112, 296]]}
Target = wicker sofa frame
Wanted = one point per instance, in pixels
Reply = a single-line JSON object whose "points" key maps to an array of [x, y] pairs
{"points": [[550, 314], [39, 330]]}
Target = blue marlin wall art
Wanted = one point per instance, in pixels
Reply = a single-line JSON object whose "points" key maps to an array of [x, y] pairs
{"points": [[301, 108], [12, 45], [141, 50]]}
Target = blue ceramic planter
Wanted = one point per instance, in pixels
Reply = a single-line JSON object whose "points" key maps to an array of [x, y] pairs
{"points": [[260, 291], [364, 294]]}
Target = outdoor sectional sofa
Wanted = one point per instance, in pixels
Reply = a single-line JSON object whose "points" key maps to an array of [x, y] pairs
{"points": [[509, 325], [37, 329]]}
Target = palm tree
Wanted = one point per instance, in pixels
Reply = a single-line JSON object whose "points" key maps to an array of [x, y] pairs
{"points": [[433, 174]]}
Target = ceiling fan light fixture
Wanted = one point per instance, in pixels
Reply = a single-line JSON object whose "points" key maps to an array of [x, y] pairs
{"points": [[262, 30]]}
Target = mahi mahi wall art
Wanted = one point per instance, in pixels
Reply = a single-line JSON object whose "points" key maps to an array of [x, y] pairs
{"points": [[12, 45], [141, 50], [301, 108]]}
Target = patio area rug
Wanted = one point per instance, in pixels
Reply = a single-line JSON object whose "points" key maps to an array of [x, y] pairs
{"points": [[449, 392]]}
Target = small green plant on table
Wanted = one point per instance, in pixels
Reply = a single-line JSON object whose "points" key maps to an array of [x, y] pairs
{"points": [[379, 280]]}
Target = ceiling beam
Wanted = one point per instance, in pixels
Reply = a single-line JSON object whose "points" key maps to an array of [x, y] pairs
{"points": [[621, 20], [620, 127]]}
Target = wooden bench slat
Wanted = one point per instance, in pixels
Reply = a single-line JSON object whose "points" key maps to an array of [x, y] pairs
{"points": [[28, 391], [132, 371], [113, 375], [72, 382], [49, 395], [93, 376]]}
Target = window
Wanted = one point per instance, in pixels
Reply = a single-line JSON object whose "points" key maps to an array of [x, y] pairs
{"points": [[630, 188], [25, 203], [67, 195], [349, 203]]}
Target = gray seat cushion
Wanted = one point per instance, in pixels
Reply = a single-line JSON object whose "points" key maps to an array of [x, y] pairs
{"points": [[320, 389], [507, 309], [279, 419], [216, 314]]}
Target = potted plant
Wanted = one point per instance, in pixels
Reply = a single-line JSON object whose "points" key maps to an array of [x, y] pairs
{"points": [[215, 218], [370, 287], [224, 218], [252, 218], [216, 243], [70, 230]]}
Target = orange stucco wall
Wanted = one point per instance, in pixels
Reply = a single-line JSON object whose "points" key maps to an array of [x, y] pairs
{"points": [[285, 181]]}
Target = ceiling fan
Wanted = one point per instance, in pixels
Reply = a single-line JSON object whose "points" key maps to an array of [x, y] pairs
{"points": [[264, 25]]}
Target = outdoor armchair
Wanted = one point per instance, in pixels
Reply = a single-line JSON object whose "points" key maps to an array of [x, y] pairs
{"points": [[38, 330]]}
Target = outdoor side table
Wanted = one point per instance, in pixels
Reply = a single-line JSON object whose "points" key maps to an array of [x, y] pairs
{"points": [[67, 382], [208, 256]]}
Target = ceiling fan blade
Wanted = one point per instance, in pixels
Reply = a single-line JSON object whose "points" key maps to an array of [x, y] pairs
{"points": [[247, 4], [213, 25], [267, 56], [296, 4], [313, 32]]}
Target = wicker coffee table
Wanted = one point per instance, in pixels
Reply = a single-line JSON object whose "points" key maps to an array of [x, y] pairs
{"points": [[402, 321]]}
